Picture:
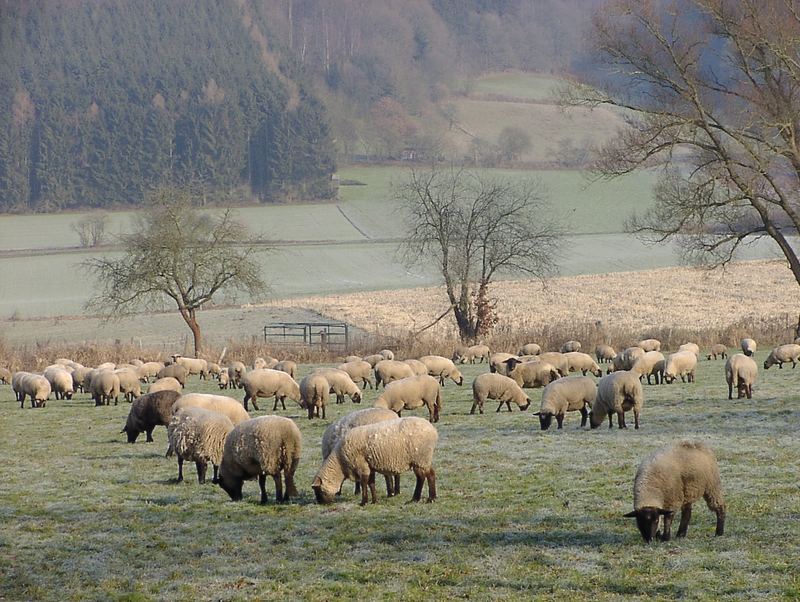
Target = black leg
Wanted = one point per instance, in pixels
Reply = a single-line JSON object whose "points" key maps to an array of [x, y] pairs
{"points": [[180, 469], [431, 485], [667, 534], [686, 515], [201, 471], [278, 486], [262, 484]]}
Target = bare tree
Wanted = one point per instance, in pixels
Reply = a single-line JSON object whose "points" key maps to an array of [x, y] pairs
{"points": [[476, 228], [91, 229], [177, 254], [713, 89]]}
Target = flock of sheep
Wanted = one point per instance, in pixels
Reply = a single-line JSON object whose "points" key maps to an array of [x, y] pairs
{"points": [[218, 430]]}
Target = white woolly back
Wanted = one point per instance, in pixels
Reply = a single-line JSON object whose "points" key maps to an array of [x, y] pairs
{"points": [[336, 431]]}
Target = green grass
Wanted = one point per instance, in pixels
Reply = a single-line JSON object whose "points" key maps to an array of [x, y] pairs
{"points": [[528, 86], [521, 513]]}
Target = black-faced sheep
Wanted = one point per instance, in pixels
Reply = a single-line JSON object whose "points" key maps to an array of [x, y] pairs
{"points": [[740, 373], [216, 403], [604, 353], [652, 363], [359, 371], [582, 362], [500, 388], [410, 393], [672, 479], [387, 371], [617, 393], [149, 411], [557, 360], [175, 371], [442, 368], [341, 384], [193, 365], [680, 363], [649, 344], [60, 381], [104, 387], [569, 394], [781, 354], [266, 382], [717, 351], [498, 362], [749, 347], [468, 355], [198, 435], [531, 374], [236, 372], [35, 386]]}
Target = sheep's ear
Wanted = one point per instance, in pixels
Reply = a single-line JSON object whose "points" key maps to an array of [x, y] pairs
{"points": [[663, 512], [537, 414], [317, 482], [631, 514]]}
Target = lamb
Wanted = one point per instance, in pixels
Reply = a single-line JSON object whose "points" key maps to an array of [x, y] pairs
{"points": [[165, 384], [680, 363], [718, 350], [129, 384], [341, 384], [193, 365], [198, 435], [410, 393], [387, 354], [781, 354], [583, 362], [532, 374], [649, 344], [236, 372], [442, 367], [5, 375], [498, 387], [390, 448], [149, 370], [373, 359], [498, 363], [530, 349], [265, 382], [417, 367], [60, 382], [35, 386], [672, 479], [359, 370], [749, 347], [652, 363], [314, 389], [104, 386], [287, 366], [604, 353], [224, 380], [267, 445], [617, 393], [470, 354], [569, 394], [570, 346], [741, 372], [387, 371], [693, 347], [176, 371], [149, 411], [216, 403]]}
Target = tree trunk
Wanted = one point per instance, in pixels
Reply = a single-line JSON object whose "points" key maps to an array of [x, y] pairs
{"points": [[466, 328], [191, 320]]}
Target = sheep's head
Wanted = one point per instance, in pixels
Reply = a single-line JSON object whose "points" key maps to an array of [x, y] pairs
{"points": [[597, 371], [595, 419], [647, 520], [356, 397], [545, 419], [668, 378], [131, 432], [322, 496], [457, 378], [527, 404], [233, 487]]}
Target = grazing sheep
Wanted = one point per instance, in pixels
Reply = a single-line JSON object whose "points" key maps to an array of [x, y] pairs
{"points": [[353, 358], [672, 479], [529, 349], [652, 363], [260, 363], [583, 362], [693, 347], [224, 381], [35, 386], [107, 366], [129, 384], [165, 384], [288, 366], [5, 375], [267, 445], [604, 353], [649, 344], [374, 359], [387, 354], [390, 447], [198, 435], [60, 381], [680, 363], [149, 411], [569, 394], [781, 354], [176, 371], [617, 393], [442, 368], [717, 351], [532, 374], [498, 363], [570, 346], [359, 370], [149, 370], [741, 372], [617, 363], [79, 378], [410, 393], [214, 369], [236, 372], [749, 347], [417, 367], [266, 382], [216, 403], [387, 371], [314, 390], [193, 365], [557, 359], [498, 387], [104, 386], [470, 354], [631, 354], [341, 384]]}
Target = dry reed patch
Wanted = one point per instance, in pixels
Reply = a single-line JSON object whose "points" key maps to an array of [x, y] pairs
{"points": [[685, 298]]}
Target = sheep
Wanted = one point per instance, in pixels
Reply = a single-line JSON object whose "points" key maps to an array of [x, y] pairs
{"points": [[570, 346], [107, 366], [224, 380], [267, 445], [104, 386], [749, 347], [604, 353], [497, 363], [314, 390], [470, 354], [136, 362], [631, 354], [35, 386], [260, 363], [569, 394], [60, 381], [150, 370], [236, 372], [442, 367], [129, 384], [649, 344], [652, 363], [781, 354], [265, 382], [341, 384], [193, 365], [680, 363], [359, 370], [387, 354], [198, 435], [79, 378], [390, 447], [353, 358], [673, 478], [176, 371], [165, 384], [387, 371], [741, 372], [417, 367], [557, 359], [617, 393], [583, 362], [498, 387], [717, 350], [532, 374], [373, 359], [214, 369], [287, 366], [530, 349], [337, 430], [617, 363], [5, 375], [693, 347], [410, 393], [147, 412], [216, 403]]}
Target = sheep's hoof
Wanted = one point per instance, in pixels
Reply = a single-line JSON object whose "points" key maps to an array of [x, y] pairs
{"points": [[430, 500]]}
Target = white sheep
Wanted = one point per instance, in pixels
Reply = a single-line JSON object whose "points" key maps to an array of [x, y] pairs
{"points": [[387, 371], [470, 354], [129, 384], [266, 382], [149, 370], [165, 384], [781, 354], [717, 350], [617, 393], [104, 386], [582, 362], [387, 354], [216, 403], [672, 479], [193, 365], [314, 390], [267, 445], [649, 344], [529, 349], [288, 366], [236, 372], [223, 380], [410, 393], [198, 435], [570, 346], [389, 448], [500, 388], [693, 347], [5, 375], [175, 371], [557, 359], [631, 354], [60, 380], [604, 353], [680, 363], [341, 384], [749, 347], [652, 363], [741, 372], [417, 367], [569, 394], [374, 359], [442, 368], [260, 363], [359, 371], [532, 374], [35, 386], [498, 362]]}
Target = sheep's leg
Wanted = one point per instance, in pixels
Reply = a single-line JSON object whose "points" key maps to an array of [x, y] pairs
{"points": [[149, 433], [245, 400], [364, 482], [389, 485], [686, 515], [474, 405], [730, 389], [253, 399], [749, 391], [667, 534], [636, 419], [584, 416], [323, 412], [719, 510], [215, 478], [283, 402], [621, 420], [431, 485], [499, 407], [610, 420], [397, 484], [418, 489], [291, 489], [262, 484], [278, 487], [508, 405], [372, 491], [560, 420], [180, 469], [201, 471]]}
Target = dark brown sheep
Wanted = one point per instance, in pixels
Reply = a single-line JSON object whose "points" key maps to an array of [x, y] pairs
{"points": [[149, 411]]}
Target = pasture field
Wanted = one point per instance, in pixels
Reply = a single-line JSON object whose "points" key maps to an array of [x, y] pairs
{"points": [[521, 513], [514, 84]]}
